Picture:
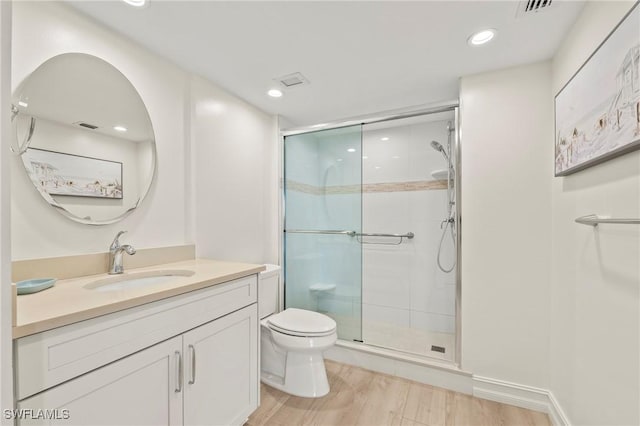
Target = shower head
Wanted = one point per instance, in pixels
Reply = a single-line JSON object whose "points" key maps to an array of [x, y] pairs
{"points": [[438, 147]]}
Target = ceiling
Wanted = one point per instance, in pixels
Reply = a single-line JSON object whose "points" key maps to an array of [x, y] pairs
{"points": [[360, 57]]}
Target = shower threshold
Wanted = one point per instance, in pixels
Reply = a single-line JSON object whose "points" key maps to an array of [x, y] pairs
{"points": [[394, 354]]}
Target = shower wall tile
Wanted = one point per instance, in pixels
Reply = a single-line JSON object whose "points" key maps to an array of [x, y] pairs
{"points": [[433, 322], [385, 212], [406, 155], [427, 205], [386, 315], [386, 276], [303, 218], [424, 159], [435, 299]]}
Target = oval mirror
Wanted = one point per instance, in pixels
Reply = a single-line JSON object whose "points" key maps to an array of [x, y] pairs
{"points": [[85, 138]]}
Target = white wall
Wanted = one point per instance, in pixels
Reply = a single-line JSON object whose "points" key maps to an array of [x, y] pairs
{"points": [[507, 142], [214, 146], [235, 180], [42, 30], [6, 342], [595, 282], [547, 302]]}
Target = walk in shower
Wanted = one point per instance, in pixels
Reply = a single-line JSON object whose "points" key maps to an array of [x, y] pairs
{"points": [[371, 230]]}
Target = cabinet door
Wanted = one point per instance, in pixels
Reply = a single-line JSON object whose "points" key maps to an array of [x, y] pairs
{"points": [[221, 370], [141, 389]]}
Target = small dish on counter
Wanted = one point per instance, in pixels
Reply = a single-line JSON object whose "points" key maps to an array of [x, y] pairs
{"points": [[34, 285]]}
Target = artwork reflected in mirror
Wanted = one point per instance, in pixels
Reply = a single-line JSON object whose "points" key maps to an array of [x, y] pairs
{"points": [[85, 138], [58, 173]]}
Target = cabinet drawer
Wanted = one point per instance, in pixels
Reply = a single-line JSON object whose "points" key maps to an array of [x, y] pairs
{"points": [[52, 357]]}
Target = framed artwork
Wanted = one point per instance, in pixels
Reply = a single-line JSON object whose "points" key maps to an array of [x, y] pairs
{"points": [[57, 173], [597, 113]]}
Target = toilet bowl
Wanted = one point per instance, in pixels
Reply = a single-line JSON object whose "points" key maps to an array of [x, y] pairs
{"points": [[292, 343]]}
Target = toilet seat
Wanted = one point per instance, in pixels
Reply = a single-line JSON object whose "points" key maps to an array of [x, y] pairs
{"points": [[301, 323]]}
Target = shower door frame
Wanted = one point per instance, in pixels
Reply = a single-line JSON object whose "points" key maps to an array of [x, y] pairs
{"points": [[378, 118]]}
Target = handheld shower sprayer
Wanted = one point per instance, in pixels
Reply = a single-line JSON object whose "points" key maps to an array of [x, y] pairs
{"points": [[450, 222], [438, 147]]}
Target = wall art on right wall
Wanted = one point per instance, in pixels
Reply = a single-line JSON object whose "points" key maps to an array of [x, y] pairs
{"points": [[597, 113]]}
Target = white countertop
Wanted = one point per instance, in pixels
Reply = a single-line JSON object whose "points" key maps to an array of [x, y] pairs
{"points": [[68, 301]]}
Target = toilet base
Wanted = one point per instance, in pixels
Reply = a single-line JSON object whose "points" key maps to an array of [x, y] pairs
{"points": [[305, 376]]}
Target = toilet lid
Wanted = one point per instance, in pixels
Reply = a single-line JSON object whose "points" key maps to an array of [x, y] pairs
{"points": [[299, 322]]}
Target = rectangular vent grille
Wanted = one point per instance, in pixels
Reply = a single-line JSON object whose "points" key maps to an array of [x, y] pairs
{"points": [[536, 5], [292, 80], [86, 125], [435, 348]]}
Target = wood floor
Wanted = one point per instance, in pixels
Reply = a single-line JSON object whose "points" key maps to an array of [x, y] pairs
{"points": [[362, 397]]}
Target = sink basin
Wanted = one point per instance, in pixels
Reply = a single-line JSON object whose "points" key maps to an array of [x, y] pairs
{"points": [[137, 280]]}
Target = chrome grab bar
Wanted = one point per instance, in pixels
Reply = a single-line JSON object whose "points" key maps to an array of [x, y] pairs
{"points": [[408, 235], [594, 220], [305, 231]]}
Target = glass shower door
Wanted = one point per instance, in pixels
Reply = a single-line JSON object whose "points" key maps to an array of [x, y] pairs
{"points": [[323, 214]]}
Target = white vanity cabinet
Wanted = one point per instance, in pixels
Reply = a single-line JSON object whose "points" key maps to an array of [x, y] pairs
{"points": [[133, 368], [222, 370], [137, 390]]}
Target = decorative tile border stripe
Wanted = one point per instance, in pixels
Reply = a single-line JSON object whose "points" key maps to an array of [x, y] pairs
{"points": [[292, 185], [421, 185], [343, 189]]}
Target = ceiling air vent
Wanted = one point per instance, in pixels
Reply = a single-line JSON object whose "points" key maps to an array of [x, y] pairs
{"points": [[85, 125], [292, 80], [531, 7]]}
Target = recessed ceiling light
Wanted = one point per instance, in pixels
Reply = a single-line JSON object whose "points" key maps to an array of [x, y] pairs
{"points": [[119, 128], [23, 104], [377, 167], [364, 157], [395, 157], [384, 139], [275, 93], [135, 3], [481, 37], [351, 150]]}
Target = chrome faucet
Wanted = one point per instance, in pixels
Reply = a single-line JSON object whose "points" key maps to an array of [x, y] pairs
{"points": [[115, 255]]}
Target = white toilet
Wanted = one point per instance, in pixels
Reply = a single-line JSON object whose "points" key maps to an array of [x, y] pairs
{"points": [[292, 342]]}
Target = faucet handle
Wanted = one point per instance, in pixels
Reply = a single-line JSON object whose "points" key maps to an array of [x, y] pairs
{"points": [[115, 244]]}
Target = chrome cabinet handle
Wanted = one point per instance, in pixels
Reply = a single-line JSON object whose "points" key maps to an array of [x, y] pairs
{"points": [[178, 372], [193, 364]]}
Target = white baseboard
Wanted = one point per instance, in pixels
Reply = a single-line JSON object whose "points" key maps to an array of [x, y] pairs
{"points": [[450, 377], [556, 413], [529, 397], [511, 393]]}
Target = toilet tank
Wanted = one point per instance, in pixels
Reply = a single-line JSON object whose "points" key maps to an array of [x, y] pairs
{"points": [[269, 291]]}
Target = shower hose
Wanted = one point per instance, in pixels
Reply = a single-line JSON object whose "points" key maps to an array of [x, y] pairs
{"points": [[448, 225]]}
